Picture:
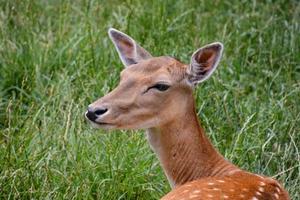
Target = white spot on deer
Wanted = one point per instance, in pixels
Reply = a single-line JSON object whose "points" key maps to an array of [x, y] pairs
{"points": [[221, 181], [184, 191], [231, 190], [210, 196], [242, 196], [210, 183], [254, 198], [262, 183], [277, 184], [197, 191], [276, 196], [277, 189], [193, 196], [258, 193], [261, 189], [225, 197], [216, 189], [245, 189]]}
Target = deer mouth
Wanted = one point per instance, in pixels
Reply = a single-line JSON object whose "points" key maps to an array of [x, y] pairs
{"points": [[102, 123]]}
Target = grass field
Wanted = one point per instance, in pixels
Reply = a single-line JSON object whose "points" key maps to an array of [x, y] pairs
{"points": [[56, 58]]}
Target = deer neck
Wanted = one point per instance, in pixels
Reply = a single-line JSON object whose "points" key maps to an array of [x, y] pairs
{"points": [[185, 152]]}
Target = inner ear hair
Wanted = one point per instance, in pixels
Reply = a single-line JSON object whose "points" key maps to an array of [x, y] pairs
{"points": [[204, 61], [129, 51]]}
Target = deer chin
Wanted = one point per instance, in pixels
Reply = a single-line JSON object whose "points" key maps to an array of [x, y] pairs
{"points": [[102, 125]]}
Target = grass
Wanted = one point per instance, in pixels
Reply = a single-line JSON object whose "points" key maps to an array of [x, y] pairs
{"points": [[56, 58]]}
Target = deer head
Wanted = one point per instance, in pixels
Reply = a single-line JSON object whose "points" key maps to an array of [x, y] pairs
{"points": [[152, 90]]}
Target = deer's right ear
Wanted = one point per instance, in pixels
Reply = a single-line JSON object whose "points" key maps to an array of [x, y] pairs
{"points": [[204, 61], [129, 51]]}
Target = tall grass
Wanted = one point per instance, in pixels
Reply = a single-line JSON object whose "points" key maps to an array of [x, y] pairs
{"points": [[56, 58]]}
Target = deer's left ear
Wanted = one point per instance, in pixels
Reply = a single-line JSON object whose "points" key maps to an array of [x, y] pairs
{"points": [[204, 61]]}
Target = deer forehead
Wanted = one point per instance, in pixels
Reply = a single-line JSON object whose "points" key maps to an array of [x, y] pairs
{"points": [[155, 69]]}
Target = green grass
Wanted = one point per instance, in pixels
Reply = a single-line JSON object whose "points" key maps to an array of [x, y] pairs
{"points": [[56, 58]]}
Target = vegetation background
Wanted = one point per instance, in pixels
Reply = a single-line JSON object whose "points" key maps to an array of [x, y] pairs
{"points": [[56, 58]]}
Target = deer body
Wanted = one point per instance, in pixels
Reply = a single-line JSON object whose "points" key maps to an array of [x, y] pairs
{"points": [[156, 94]]}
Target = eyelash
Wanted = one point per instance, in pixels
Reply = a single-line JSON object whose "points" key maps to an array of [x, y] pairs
{"points": [[160, 86]]}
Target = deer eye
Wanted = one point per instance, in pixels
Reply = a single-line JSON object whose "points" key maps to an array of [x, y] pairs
{"points": [[160, 86]]}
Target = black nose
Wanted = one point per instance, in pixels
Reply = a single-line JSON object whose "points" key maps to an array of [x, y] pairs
{"points": [[94, 114]]}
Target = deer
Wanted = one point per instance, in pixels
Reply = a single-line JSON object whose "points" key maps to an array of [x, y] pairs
{"points": [[156, 94]]}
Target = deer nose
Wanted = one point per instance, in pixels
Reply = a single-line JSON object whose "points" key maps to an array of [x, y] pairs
{"points": [[93, 114]]}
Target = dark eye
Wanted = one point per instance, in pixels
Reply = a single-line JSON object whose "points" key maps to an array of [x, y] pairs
{"points": [[160, 87]]}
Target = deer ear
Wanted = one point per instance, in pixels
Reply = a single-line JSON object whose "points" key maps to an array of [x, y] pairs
{"points": [[129, 51], [204, 61]]}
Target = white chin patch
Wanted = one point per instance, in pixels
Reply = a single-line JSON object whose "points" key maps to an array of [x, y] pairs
{"points": [[104, 126], [94, 125]]}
